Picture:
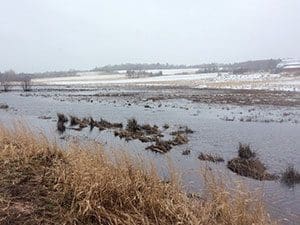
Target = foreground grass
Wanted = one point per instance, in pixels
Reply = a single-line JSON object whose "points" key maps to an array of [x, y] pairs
{"points": [[42, 184]]}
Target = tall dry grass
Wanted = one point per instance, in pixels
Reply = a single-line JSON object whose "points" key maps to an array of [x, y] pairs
{"points": [[42, 184]]}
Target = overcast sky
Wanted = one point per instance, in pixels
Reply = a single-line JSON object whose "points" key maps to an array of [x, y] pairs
{"points": [[41, 35]]}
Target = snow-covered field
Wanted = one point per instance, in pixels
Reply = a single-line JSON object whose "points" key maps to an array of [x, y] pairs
{"points": [[176, 78]]}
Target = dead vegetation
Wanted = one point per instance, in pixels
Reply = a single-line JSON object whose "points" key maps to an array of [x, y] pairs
{"points": [[144, 133], [182, 130], [133, 126], [290, 176], [248, 165], [74, 121], [160, 146], [180, 139], [81, 123], [3, 106], [78, 124], [164, 146], [61, 127], [148, 133], [42, 184], [85, 122], [108, 125], [133, 131], [186, 152], [245, 151], [166, 126], [253, 168], [210, 157], [62, 119]]}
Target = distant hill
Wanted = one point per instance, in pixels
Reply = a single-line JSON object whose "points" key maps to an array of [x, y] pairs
{"points": [[251, 66], [138, 66], [257, 65], [265, 65]]}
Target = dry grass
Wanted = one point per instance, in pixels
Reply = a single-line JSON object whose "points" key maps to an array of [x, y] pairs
{"points": [[245, 151], [248, 165], [210, 157], [252, 167], [42, 184]]}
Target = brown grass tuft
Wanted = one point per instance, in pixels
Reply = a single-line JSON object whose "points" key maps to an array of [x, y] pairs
{"points": [[210, 157], [246, 164], [252, 167], [132, 125], [42, 184], [245, 151]]}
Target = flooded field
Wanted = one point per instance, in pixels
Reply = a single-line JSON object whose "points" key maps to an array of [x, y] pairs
{"points": [[219, 119], [183, 77]]}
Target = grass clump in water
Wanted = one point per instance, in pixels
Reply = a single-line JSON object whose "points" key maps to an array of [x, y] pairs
{"points": [[132, 125], [245, 151], [290, 176], [210, 157], [248, 165], [61, 118]]}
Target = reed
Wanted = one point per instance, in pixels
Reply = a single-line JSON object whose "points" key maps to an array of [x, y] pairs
{"points": [[43, 184]]}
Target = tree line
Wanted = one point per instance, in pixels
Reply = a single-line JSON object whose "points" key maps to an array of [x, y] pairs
{"points": [[9, 78], [266, 65]]}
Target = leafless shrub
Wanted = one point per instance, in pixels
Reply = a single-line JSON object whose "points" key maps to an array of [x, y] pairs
{"points": [[6, 78], [26, 83], [6, 86]]}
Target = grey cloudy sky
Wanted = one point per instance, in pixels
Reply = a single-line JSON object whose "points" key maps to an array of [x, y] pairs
{"points": [[40, 35]]}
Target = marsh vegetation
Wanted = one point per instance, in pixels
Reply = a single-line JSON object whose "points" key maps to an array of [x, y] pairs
{"points": [[248, 165], [42, 184]]}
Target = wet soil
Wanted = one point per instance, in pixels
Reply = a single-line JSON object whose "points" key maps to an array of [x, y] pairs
{"points": [[158, 93]]}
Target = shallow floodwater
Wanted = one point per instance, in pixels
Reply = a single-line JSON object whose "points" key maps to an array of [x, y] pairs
{"points": [[277, 143]]}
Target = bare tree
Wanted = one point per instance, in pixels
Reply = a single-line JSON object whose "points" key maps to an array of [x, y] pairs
{"points": [[3, 83], [6, 86], [26, 83], [6, 79]]}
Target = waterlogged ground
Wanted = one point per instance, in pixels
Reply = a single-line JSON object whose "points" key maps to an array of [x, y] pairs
{"points": [[184, 77], [269, 122]]}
